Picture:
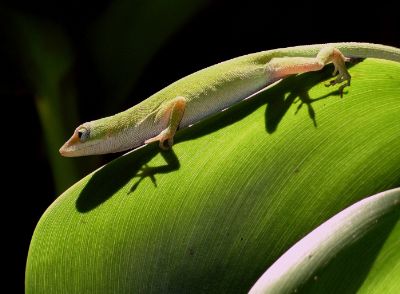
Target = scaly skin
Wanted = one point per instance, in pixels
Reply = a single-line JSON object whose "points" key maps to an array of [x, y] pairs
{"points": [[210, 90]]}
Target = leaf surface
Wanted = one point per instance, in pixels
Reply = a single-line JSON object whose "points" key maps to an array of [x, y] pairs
{"points": [[237, 191]]}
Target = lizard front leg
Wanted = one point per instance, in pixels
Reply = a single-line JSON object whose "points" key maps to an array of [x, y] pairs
{"points": [[172, 113], [281, 67]]}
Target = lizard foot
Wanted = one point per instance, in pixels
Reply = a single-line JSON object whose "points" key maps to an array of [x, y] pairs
{"points": [[340, 67], [165, 138]]}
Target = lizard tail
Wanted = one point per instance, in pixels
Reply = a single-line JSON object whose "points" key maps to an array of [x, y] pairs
{"points": [[368, 50]]}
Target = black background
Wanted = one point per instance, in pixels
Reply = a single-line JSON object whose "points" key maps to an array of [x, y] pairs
{"points": [[219, 31]]}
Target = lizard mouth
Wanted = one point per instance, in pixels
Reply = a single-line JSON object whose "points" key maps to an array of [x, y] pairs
{"points": [[74, 148], [66, 151], [70, 146]]}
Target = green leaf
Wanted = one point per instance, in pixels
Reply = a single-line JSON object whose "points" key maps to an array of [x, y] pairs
{"points": [[346, 243], [384, 274], [237, 191]]}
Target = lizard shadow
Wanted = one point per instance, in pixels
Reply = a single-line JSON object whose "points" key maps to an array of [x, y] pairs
{"points": [[106, 181]]}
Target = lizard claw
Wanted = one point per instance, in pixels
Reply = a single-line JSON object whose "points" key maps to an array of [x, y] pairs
{"points": [[163, 137], [343, 77]]}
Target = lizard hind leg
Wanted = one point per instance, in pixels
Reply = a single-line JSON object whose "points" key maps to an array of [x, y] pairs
{"points": [[281, 67], [172, 113], [338, 60]]}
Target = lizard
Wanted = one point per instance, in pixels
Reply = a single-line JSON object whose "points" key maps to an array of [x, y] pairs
{"points": [[210, 90]]}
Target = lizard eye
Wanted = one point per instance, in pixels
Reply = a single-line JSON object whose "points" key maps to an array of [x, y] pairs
{"points": [[83, 134]]}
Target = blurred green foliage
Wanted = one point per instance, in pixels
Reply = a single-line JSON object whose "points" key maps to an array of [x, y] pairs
{"points": [[127, 36], [48, 59], [121, 42]]}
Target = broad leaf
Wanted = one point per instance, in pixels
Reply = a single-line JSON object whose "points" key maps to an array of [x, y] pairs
{"points": [[347, 243], [237, 191]]}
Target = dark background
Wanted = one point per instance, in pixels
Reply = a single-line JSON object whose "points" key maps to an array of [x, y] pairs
{"points": [[213, 31]]}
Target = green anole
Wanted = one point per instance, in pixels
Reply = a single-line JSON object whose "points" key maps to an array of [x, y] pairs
{"points": [[211, 90]]}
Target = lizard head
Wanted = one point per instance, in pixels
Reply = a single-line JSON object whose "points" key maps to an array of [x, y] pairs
{"points": [[80, 142]]}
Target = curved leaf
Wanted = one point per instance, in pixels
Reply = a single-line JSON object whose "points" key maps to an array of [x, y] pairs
{"points": [[235, 193], [384, 274], [320, 262]]}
